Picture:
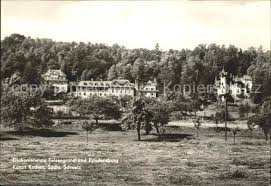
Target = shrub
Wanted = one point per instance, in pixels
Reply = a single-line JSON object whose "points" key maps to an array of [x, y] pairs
{"points": [[235, 173], [181, 179], [239, 174], [175, 116], [110, 125], [127, 122]]}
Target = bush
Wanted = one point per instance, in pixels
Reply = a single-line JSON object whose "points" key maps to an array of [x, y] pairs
{"points": [[239, 174], [175, 116], [127, 122], [113, 125], [235, 173], [182, 179]]}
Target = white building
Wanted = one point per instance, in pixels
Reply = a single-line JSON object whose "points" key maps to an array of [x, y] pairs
{"points": [[149, 89], [237, 87], [117, 87], [57, 79]]}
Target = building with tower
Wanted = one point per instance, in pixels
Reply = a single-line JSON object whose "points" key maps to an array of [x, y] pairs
{"points": [[237, 87]]}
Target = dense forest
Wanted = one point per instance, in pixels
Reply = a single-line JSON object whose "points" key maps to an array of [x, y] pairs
{"points": [[85, 61]]}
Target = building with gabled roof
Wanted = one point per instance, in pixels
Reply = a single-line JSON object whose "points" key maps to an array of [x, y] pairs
{"points": [[84, 89], [57, 79], [148, 89], [117, 87]]}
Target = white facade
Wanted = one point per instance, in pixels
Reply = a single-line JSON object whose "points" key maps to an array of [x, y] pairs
{"points": [[57, 79], [118, 87], [85, 89], [149, 89], [238, 87]]}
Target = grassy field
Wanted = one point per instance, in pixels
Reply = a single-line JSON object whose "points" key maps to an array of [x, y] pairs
{"points": [[180, 159]]}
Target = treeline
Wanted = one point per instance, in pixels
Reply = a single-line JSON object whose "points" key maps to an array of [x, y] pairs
{"points": [[30, 58]]}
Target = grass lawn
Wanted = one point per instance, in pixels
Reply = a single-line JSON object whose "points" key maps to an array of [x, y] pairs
{"points": [[183, 159]]}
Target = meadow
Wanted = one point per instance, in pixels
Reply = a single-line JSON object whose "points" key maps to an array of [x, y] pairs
{"points": [[180, 158]]}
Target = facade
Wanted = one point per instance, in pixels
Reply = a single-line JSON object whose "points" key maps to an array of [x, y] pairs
{"points": [[117, 87], [237, 87], [149, 89], [84, 89], [57, 79]]}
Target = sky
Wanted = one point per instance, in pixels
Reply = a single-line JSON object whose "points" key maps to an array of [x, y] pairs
{"points": [[142, 24]]}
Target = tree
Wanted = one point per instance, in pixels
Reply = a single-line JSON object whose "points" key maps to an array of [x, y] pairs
{"points": [[138, 113], [112, 74], [22, 110], [98, 107], [244, 110], [30, 74], [197, 125], [125, 102], [241, 111], [266, 106], [159, 113], [43, 117], [263, 121], [217, 118], [88, 126], [81, 106], [157, 47], [106, 107], [195, 105], [138, 70], [127, 121], [147, 117], [234, 132], [126, 72]]}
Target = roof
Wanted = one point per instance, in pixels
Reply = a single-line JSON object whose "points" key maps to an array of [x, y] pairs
{"points": [[95, 83], [53, 72], [116, 82], [122, 82], [149, 83]]}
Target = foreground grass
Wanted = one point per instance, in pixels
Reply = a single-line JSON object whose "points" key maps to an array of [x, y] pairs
{"points": [[186, 160]]}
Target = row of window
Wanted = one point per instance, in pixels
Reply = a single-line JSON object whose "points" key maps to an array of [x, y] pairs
{"points": [[150, 89], [105, 89], [94, 93], [59, 83], [55, 78]]}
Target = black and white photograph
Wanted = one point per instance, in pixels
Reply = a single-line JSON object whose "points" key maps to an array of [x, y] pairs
{"points": [[125, 92]]}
